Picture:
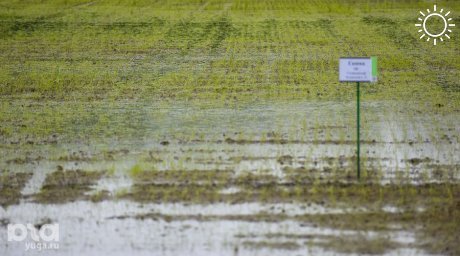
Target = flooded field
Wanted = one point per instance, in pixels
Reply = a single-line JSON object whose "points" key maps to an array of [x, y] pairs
{"points": [[220, 127], [252, 178]]}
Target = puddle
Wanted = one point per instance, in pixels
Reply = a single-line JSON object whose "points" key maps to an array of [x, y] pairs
{"points": [[256, 178], [90, 227]]}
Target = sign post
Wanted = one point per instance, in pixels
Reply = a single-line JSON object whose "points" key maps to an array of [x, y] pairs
{"points": [[358, 125], [363, 69]]}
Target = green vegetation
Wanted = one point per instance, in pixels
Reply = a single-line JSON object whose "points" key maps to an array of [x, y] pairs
{"points": [[89, 50], [11, 185], [359, 244], [204, 102], [68, 186]]}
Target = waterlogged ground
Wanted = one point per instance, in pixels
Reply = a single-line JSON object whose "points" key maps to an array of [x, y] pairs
{"points": [[219, 128], [236, 178]]}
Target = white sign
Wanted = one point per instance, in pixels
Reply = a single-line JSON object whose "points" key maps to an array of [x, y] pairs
{"points": [[358, 69]]}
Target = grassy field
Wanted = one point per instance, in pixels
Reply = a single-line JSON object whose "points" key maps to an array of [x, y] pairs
{"points": [[91, 50], [220, 128]]}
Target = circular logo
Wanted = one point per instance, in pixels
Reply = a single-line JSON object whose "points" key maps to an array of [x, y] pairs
{"points": [[435, 25]]}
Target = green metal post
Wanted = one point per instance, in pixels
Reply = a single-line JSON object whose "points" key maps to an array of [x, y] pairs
{"points": [[357, 132]]}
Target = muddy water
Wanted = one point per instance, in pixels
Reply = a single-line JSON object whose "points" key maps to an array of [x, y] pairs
{"points": [[247, 137], [100, 215]]}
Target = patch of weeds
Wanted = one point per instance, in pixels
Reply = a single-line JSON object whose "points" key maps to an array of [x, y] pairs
{"points": [[359, 244], [271, 245], [219, 30], [172, 193], [191, 35], [268, 27], [11, 185], [373, 221], [279, 236], [113, 154], [379, 21], [67, 186], [285, 159], [299, 185], [76, 156], [327, 25], [100, 196], [181, 177], [440, 224], [417, 161], [447, 83], [301, 175], [134, 27], [135, 171], [251, 180], [26, 160], [198, 186], [260, 217], [391, 29], [24, 26]]}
